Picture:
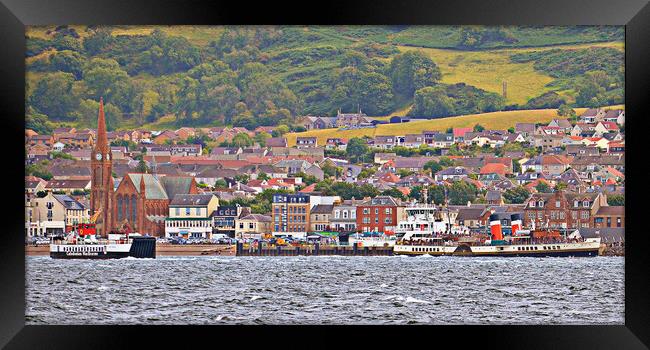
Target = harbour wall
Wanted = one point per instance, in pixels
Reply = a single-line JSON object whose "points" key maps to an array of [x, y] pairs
{"points": [[317, 249]]}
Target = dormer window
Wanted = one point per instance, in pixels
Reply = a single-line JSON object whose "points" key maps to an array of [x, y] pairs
{"points": [[557, 204], [540, 204], [585, 204], [576, 204], [532, 204]]}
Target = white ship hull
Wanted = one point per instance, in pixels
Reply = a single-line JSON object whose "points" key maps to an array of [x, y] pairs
{"points": [[587, 248]]}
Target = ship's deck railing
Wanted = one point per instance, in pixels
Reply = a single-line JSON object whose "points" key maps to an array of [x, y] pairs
{"points": [[92, 242]]}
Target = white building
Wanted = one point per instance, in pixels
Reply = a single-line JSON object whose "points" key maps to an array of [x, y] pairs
{"points": [[189, 216]]}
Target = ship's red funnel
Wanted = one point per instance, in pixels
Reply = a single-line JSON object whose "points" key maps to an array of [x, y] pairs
{"points": [[495, 228]]}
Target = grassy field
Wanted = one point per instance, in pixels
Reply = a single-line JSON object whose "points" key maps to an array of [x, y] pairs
{"points": [[494, 120], [488, 69]]}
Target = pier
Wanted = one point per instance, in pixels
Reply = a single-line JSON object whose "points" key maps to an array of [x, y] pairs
{"points": [[311, 250]]}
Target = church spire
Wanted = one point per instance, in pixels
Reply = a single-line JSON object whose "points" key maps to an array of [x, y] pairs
{"points": [[102, 139]]}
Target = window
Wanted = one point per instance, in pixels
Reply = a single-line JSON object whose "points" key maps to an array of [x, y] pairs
{"points": [[187, 211], [337, 214], [574, 215], [376, 211], [389, 211], [540, 204], [366, 210], [585, 204], [584, 215], [576, 203], [562, 215], [557, 204], [197, 211], [387, 220], [366, 220]]}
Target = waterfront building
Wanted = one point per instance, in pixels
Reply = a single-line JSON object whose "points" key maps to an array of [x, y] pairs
{"points": [[224, 218], [290, 214], [319, 219], [563, 210], [189, 216], [142, 200], [344, 216], [252, 226], [609, 216], [379, 214], [51, 214]]}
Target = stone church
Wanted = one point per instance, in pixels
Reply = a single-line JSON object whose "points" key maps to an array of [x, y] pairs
{"points": [[140, 201]]}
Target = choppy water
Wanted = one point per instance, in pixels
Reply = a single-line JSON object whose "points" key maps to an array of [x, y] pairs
{"points": [[326, 290]]}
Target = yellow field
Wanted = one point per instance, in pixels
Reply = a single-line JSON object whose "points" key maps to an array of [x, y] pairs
{"points": [[488, 69], [494, 120]]}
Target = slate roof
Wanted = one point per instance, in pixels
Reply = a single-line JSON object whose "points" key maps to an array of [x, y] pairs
{"points": [[191, 200], [153, 188], [174, 185], [257, 217], [322, 209], [69, 202]]}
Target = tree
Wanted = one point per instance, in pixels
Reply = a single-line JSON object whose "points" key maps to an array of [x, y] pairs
{"points": [[543, 187], [220, 183], [411, 71], [432, 166], [242, 140], [105, 78], [356, 150], [478, 128], [331, 170], [67, 61], [395, 193], [432, 102], [516, 195], [261, 137], [461, 192], [54, 96], [280, 130], [263, 176], [565, 111], [616, 199], [142, 167], [242, 178], [446, 161]]}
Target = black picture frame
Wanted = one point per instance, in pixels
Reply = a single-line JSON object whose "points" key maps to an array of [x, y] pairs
{"points": [[635, 15]]}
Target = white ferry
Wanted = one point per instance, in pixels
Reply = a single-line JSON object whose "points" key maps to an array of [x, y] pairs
{"points": [[521, 243], [372, 239], [83, 244], [426, 220]]}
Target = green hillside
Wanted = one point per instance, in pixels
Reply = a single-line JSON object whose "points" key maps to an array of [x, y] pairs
{"points": [[249, 76]]}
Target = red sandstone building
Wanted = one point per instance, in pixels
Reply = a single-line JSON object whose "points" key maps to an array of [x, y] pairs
{"points": [[379, 214], [561, 210]]}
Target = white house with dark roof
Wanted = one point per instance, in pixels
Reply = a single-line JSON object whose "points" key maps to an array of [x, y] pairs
{"points": [[190, 216]]}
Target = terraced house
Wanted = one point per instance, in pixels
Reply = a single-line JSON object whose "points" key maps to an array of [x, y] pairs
{"points": [[563, 210]]}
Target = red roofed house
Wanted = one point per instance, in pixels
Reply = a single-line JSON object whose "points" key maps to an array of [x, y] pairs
{"points": [[459, 133], [605, 127], [494, 168]]}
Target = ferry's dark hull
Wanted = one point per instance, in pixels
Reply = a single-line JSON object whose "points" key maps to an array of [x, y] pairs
{"points": [[107, 255], [142, 247]]}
